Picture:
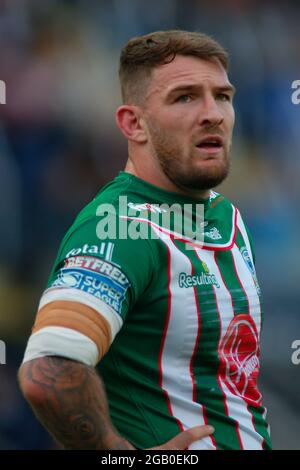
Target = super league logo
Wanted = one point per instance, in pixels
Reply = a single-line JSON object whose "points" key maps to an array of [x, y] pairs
{"points": [[2, 92]]}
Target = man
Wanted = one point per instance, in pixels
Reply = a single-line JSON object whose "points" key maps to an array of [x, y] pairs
{"points": [[174, 323]]}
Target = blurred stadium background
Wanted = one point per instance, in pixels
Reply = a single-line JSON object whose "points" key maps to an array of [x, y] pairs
{"points": [[59, 145]]}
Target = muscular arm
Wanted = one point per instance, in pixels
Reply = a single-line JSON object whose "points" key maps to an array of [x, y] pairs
{"points": [[69, 399], [68, 396]]}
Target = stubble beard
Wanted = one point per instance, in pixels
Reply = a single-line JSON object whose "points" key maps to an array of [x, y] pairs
{"points": [[174, 164]]}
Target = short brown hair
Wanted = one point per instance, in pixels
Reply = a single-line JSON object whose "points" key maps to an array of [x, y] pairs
{"points": [[143, 53]]}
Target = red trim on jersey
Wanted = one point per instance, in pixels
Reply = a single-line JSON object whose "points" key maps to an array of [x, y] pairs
{"points": [[204, 246]]}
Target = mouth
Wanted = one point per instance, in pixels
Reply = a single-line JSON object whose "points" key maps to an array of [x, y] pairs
{"points": [[210, 144]]}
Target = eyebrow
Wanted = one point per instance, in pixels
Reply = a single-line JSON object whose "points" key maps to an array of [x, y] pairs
{"points": [[226, 88]]}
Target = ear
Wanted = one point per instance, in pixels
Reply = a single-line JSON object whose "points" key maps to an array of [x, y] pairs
{"points": [[131, 124]]}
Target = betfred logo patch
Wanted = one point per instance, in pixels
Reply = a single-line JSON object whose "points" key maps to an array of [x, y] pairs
{"points": [[92, 264], [239, 359], [101, 279]]}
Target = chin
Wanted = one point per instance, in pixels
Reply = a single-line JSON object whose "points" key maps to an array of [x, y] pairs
{"points": [[198, 174], [207, 178]]}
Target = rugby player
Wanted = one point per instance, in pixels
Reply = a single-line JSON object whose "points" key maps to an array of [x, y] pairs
{"points": [[154, 341]]}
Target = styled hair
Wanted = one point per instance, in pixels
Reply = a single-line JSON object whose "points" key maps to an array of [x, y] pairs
{"points": [[143, 53]]}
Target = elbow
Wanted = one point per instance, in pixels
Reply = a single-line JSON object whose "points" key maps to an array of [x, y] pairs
{"points": [[32, 390]]}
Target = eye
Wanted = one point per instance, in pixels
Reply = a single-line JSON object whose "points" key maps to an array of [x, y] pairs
{"points": [[183, 99], [223, 97]]}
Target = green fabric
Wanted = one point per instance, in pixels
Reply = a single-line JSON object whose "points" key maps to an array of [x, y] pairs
{"points": [[139, 292]]}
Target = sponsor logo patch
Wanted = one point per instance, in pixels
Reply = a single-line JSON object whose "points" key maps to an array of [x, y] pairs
{"points": [[94, 276], [188, 280], [247, 258], [239, 359], [104, 249]]}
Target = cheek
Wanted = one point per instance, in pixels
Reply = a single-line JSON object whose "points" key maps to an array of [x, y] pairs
{"points": [[230, 118], [175, 122], [176, 117], [176, 131], [174, 126]]}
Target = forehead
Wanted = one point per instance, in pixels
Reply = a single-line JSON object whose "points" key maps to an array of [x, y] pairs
{"points": [[187, 70]]}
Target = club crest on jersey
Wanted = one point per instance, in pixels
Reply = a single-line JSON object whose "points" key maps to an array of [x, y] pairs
{"points": [[247, 258], [239, 359]]}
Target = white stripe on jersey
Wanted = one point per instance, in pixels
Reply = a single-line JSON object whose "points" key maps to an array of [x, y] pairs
{"points": [[235, 405], [237, 409], [178, 348], [246, 280], [242, 229]]}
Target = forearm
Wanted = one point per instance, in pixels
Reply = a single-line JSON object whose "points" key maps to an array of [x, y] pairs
{"points": [[70, 401]]}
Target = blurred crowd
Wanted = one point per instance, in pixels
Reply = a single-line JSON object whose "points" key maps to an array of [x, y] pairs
{"points": [[59, 146]]}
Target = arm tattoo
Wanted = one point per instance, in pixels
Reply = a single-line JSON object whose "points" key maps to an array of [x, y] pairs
{"points": [[73, 407]]}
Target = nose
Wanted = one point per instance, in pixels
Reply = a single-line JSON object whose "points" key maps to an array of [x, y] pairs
{"points": [[210, 114]]}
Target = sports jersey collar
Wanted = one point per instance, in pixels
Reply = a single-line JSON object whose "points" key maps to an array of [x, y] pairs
{"points": [[220, 214], [162, 194]]}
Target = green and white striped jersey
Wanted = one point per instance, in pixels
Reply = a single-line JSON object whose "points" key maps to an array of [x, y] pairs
{"points": [[186, 317]]}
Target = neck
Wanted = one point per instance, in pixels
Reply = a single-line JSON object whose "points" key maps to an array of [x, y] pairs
{"points": [[156, 177]]}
